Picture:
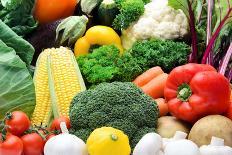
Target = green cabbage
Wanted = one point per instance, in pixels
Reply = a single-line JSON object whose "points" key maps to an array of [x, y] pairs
{"points": [[17, 14], [16, 84]]}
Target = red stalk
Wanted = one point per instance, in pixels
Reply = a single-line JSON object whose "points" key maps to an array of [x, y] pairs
{"points": [[209, 30], [214, 37], [193, 55], [229, 76], [225, 61]]}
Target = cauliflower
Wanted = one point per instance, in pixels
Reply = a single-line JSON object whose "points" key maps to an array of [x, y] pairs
{"points": [[158, 21]]}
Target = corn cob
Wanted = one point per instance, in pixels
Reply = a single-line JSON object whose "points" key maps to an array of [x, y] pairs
{"points": [[43, 111], [63, 80]]}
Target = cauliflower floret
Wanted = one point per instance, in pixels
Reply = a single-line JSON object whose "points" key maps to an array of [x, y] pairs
{"points": [[158, 21]]}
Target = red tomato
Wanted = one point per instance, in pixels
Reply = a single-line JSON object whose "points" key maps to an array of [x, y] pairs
{"points": [[11, 146], [56, 123], [33, 144], [18, 123], [51, 10]]}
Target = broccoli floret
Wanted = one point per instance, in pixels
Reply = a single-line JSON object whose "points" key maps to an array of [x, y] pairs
{"points": [[121, 105], [105, 64], [130, 11], [166, 54]]}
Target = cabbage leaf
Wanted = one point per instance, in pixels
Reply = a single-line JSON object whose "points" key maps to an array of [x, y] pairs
{"points": [[17, 14], [16, 84], [23, 49]]}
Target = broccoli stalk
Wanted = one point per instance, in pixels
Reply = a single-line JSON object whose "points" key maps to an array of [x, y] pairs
{"points": [[121, 105]]}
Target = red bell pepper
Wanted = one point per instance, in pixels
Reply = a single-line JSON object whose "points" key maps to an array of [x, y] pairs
{"points": [[196, 90]]}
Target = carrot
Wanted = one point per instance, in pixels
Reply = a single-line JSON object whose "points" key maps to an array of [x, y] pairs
{"points": [[155, 88], [147, 76], [163, 106]]}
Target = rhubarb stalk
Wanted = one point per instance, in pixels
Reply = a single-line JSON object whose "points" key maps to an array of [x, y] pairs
{"points": [[214, 37], [226, 60], [193, 55], [209, 29]]}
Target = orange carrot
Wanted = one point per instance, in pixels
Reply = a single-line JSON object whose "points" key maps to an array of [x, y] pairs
{"points": [[147, 76], [163, 106], [155, 87]]}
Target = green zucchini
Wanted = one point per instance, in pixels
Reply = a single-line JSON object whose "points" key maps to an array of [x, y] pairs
{"points": [[107, 11]]}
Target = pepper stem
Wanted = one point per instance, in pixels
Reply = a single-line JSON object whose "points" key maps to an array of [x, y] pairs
{"points": [[184, 92], [114, 137]]}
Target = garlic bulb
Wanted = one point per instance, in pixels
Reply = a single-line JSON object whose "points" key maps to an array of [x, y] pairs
{"points": [[65, 144]]}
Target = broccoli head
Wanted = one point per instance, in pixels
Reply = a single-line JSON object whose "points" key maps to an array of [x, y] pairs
{"points": [[166, 54], [121, 105], [130, 11]]}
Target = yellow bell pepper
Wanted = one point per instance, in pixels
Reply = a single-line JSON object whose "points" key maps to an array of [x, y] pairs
{"points": [[108, 141], [100, 35], [81, 46]]}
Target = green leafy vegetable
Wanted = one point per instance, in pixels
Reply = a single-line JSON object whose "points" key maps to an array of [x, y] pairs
{"points": [[130, 11], [166, 54], [11, 39], [99, 66], [17, 88], [17, 14], [11, 4], [105, 64], [222, 44], [187, 6], [218, 23], [222, 8], [223, 41], [129, 68]]}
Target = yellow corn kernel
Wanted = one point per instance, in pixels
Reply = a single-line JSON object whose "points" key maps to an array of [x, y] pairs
{"points": [[43, 111], [65, 80], [57, 80]]}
